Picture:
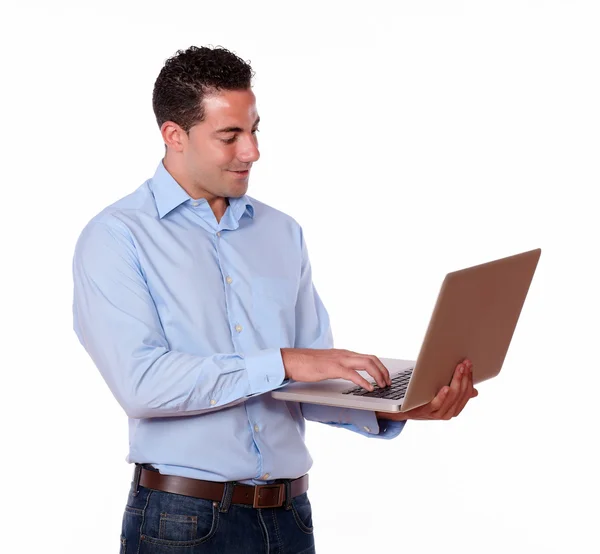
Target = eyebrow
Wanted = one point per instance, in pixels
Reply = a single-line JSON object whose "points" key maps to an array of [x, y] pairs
{"points": [[235, 129]]}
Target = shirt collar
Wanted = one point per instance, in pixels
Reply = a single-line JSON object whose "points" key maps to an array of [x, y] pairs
{"points": [[168, 194]]}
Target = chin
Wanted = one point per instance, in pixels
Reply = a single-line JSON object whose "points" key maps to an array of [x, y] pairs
{"points": [[237, 192]]}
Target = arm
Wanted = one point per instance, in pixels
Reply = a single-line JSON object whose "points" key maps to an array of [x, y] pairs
{"points": [[117, 323], [313, 330]]}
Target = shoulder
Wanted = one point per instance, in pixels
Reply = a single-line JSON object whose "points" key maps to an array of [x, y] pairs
{"points": [[134, 206], [138, 203], [112, 225]]}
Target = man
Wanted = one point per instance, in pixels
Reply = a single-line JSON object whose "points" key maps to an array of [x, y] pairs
{"points": [[194, 301]]}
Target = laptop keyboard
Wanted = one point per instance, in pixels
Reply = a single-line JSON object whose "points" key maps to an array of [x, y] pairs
{"points": [[395, 391]]}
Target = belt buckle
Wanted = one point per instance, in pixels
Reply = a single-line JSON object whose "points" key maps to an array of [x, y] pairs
{"points": [[281, 495]]}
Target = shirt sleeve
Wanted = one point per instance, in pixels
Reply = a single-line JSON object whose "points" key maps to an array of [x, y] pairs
{"points": [[116, 321], [313, 330]]}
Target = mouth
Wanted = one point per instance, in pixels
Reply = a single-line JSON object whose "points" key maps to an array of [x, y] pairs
{"points": [[242, 173]]}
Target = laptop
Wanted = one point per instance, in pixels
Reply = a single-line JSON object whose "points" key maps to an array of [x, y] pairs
{"points": [[474, 317]]}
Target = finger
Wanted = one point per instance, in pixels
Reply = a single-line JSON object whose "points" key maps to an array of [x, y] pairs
{"points": [[453, 394], [429, 410], [453, 410], [462, 405], [356, 378], [377, 370], [466, 388], [384, 370], [364, 362]]}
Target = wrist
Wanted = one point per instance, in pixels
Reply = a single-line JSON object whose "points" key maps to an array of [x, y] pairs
{"points": [[285, 360]]}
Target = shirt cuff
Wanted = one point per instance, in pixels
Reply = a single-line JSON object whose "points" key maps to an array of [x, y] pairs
{"points": [[363, 422], [265, 370]]}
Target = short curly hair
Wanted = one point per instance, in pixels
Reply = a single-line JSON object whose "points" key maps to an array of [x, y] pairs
{"points": [[192, 74]]}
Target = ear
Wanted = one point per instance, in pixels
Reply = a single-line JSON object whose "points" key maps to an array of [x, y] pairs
{"points": [[174, 137]]}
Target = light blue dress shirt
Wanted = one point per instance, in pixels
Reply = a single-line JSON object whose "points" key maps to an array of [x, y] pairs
{"points": [[185, 317]]}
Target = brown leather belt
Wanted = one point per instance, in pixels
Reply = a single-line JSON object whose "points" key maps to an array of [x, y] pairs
{"points": [[259, 496]]}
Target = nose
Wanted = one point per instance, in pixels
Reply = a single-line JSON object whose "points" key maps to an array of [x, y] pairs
{"points": [[248, 152]]}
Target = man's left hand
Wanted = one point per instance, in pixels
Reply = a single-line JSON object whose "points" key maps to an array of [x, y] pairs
{"points": [[448, 403]]}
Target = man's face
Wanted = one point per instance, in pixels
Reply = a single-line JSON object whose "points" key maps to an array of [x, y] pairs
{"points": [[221, 150]]}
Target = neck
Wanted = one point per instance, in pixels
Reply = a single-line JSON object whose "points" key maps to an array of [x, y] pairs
{"points": [[218, 204]]}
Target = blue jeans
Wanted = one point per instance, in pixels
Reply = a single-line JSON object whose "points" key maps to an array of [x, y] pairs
{"points": [[157, 522]]}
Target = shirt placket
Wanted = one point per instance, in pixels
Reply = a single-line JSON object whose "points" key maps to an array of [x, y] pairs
{"points": [[237, 335]]}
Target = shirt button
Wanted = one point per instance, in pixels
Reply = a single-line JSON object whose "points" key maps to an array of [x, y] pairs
{"points": [[219, 234], [265, 476], [229, 280], [195, 203], [256, 428], [238, 328], [367, 429], [213, 402]]}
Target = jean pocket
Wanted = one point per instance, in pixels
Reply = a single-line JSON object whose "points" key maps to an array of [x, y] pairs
{"points": [[181, 530], [302, 511]]}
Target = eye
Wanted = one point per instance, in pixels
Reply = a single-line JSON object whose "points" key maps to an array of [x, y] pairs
{"points": [[232, 139]]}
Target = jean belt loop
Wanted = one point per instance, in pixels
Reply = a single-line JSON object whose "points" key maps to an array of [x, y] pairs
{"points": [[136, 479], [288, 494], [227, 496]]}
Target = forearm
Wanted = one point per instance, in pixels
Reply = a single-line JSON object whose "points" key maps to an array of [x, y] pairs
{"points": [[156, 382], [362, 422]]}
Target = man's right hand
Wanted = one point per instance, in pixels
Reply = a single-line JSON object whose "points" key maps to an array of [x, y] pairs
{"points": [[309, 365]]}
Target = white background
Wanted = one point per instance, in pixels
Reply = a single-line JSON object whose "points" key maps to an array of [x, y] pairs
{"points": [[409, 139]]}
